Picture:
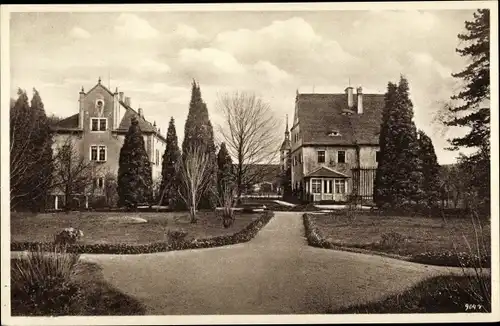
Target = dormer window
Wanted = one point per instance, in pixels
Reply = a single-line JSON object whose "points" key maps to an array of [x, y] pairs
{"points": [[334, 133], [98, 124]]}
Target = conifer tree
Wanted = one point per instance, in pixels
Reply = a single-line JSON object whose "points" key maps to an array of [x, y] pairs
{"points": [[225, 169], [473, 110], [134, 172], [430, 170], [398, 175], [169, 177], [198, 133], [30, 153], [43, 150]]}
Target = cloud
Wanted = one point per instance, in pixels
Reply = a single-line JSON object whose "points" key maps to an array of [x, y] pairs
{"points": [[150, 66], [130, 25], [190, 33], [292, 45], [211, 59], [270, 72], [79, 33]]}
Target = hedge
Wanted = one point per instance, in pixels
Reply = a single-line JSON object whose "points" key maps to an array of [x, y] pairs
{"points": [[244, 235], [447, 258]]}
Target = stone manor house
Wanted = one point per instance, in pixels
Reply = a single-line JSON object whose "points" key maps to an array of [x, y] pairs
{"points": [[97, 132], [333, 145]]}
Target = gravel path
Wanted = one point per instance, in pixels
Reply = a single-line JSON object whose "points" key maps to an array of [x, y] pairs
{"points": [[274, 273]]}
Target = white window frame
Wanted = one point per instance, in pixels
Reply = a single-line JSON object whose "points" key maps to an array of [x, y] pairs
{"points": [[324, 156], [98, 147], [97, 183], [337, 183], [98, 124], [314, 183]]}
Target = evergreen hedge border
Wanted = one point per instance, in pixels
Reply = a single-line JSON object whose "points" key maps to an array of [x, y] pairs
{"points": [[447, 258], [244, 235]]}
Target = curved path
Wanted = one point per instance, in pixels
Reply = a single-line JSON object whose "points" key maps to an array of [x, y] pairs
{"points": [[274, 273]]}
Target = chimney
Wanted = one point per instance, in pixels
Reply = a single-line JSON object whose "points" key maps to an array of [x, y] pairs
{"points": [[350, 97], [141, 114], [359, 92], [121, 96], [80, 109], [127, 101]]}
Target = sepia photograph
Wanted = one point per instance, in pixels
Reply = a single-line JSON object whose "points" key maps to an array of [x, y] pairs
{"points": [[249, 163]]}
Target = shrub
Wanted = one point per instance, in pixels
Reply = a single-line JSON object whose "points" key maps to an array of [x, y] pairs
{"points": [[175, 238], [392, 240], [67, 236], [41, 283]]}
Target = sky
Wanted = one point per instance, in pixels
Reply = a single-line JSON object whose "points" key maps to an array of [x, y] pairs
{"points": [[153, 57]]}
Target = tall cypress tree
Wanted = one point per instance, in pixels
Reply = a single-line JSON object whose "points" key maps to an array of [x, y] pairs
{"points": [[225, 168], [135, 180], [198, 132], [430, 170], [43, 150], [169, 178], [398, 176]]}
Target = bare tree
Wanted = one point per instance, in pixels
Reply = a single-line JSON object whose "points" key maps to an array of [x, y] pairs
{"points": [[194, 174], [73, 173], [226, 195], [250, 133]]}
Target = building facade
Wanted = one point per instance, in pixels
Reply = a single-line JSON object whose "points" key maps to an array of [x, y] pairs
{"points": [[334, 145], [97, 133]]}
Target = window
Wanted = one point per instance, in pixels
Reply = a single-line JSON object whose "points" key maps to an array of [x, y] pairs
{"points": [[334, 133], [99, 183], [330, 186], [157, 157], [98, 153], [325, 186], [377, 156], [341, 156], [316, 186], [321, 156], [98, 124], [340, 186]]}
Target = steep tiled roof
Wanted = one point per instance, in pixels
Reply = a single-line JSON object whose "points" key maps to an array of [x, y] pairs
{"points": [[70, 122], [127, 118], [321, 114], [324, 172]]}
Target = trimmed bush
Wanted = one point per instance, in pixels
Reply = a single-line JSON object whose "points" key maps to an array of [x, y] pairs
{"points": [[243, 235]]}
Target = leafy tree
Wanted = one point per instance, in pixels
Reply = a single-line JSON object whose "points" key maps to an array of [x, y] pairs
{"points": [[169, 178], [30, 153], [198, 133], [134, 171], [473, 110], [398, 177], [431, 181]]}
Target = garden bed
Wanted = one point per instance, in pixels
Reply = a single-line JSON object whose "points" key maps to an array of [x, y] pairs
{"points": [[201, 235], [78, 291], [442, 294], [421, 240]]}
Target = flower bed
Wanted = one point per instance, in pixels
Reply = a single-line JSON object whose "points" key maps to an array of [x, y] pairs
{"points": [[439, 258], [243, 235]]}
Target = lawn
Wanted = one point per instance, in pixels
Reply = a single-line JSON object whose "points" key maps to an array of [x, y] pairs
{"points": [[117, 227], [405, 236]]}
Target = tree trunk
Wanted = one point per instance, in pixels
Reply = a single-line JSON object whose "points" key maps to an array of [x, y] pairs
{"points": [[192, 213]]}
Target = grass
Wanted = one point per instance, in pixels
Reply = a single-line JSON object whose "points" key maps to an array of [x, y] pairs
{"points": [[404, 236], [58, 284], [442, 294], [109, 227]]}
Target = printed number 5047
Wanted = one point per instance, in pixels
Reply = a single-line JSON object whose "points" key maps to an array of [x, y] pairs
{"points": [[473, 307]]}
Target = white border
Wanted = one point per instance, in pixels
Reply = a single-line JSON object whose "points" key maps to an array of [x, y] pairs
{"points": [[255, 319]]}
